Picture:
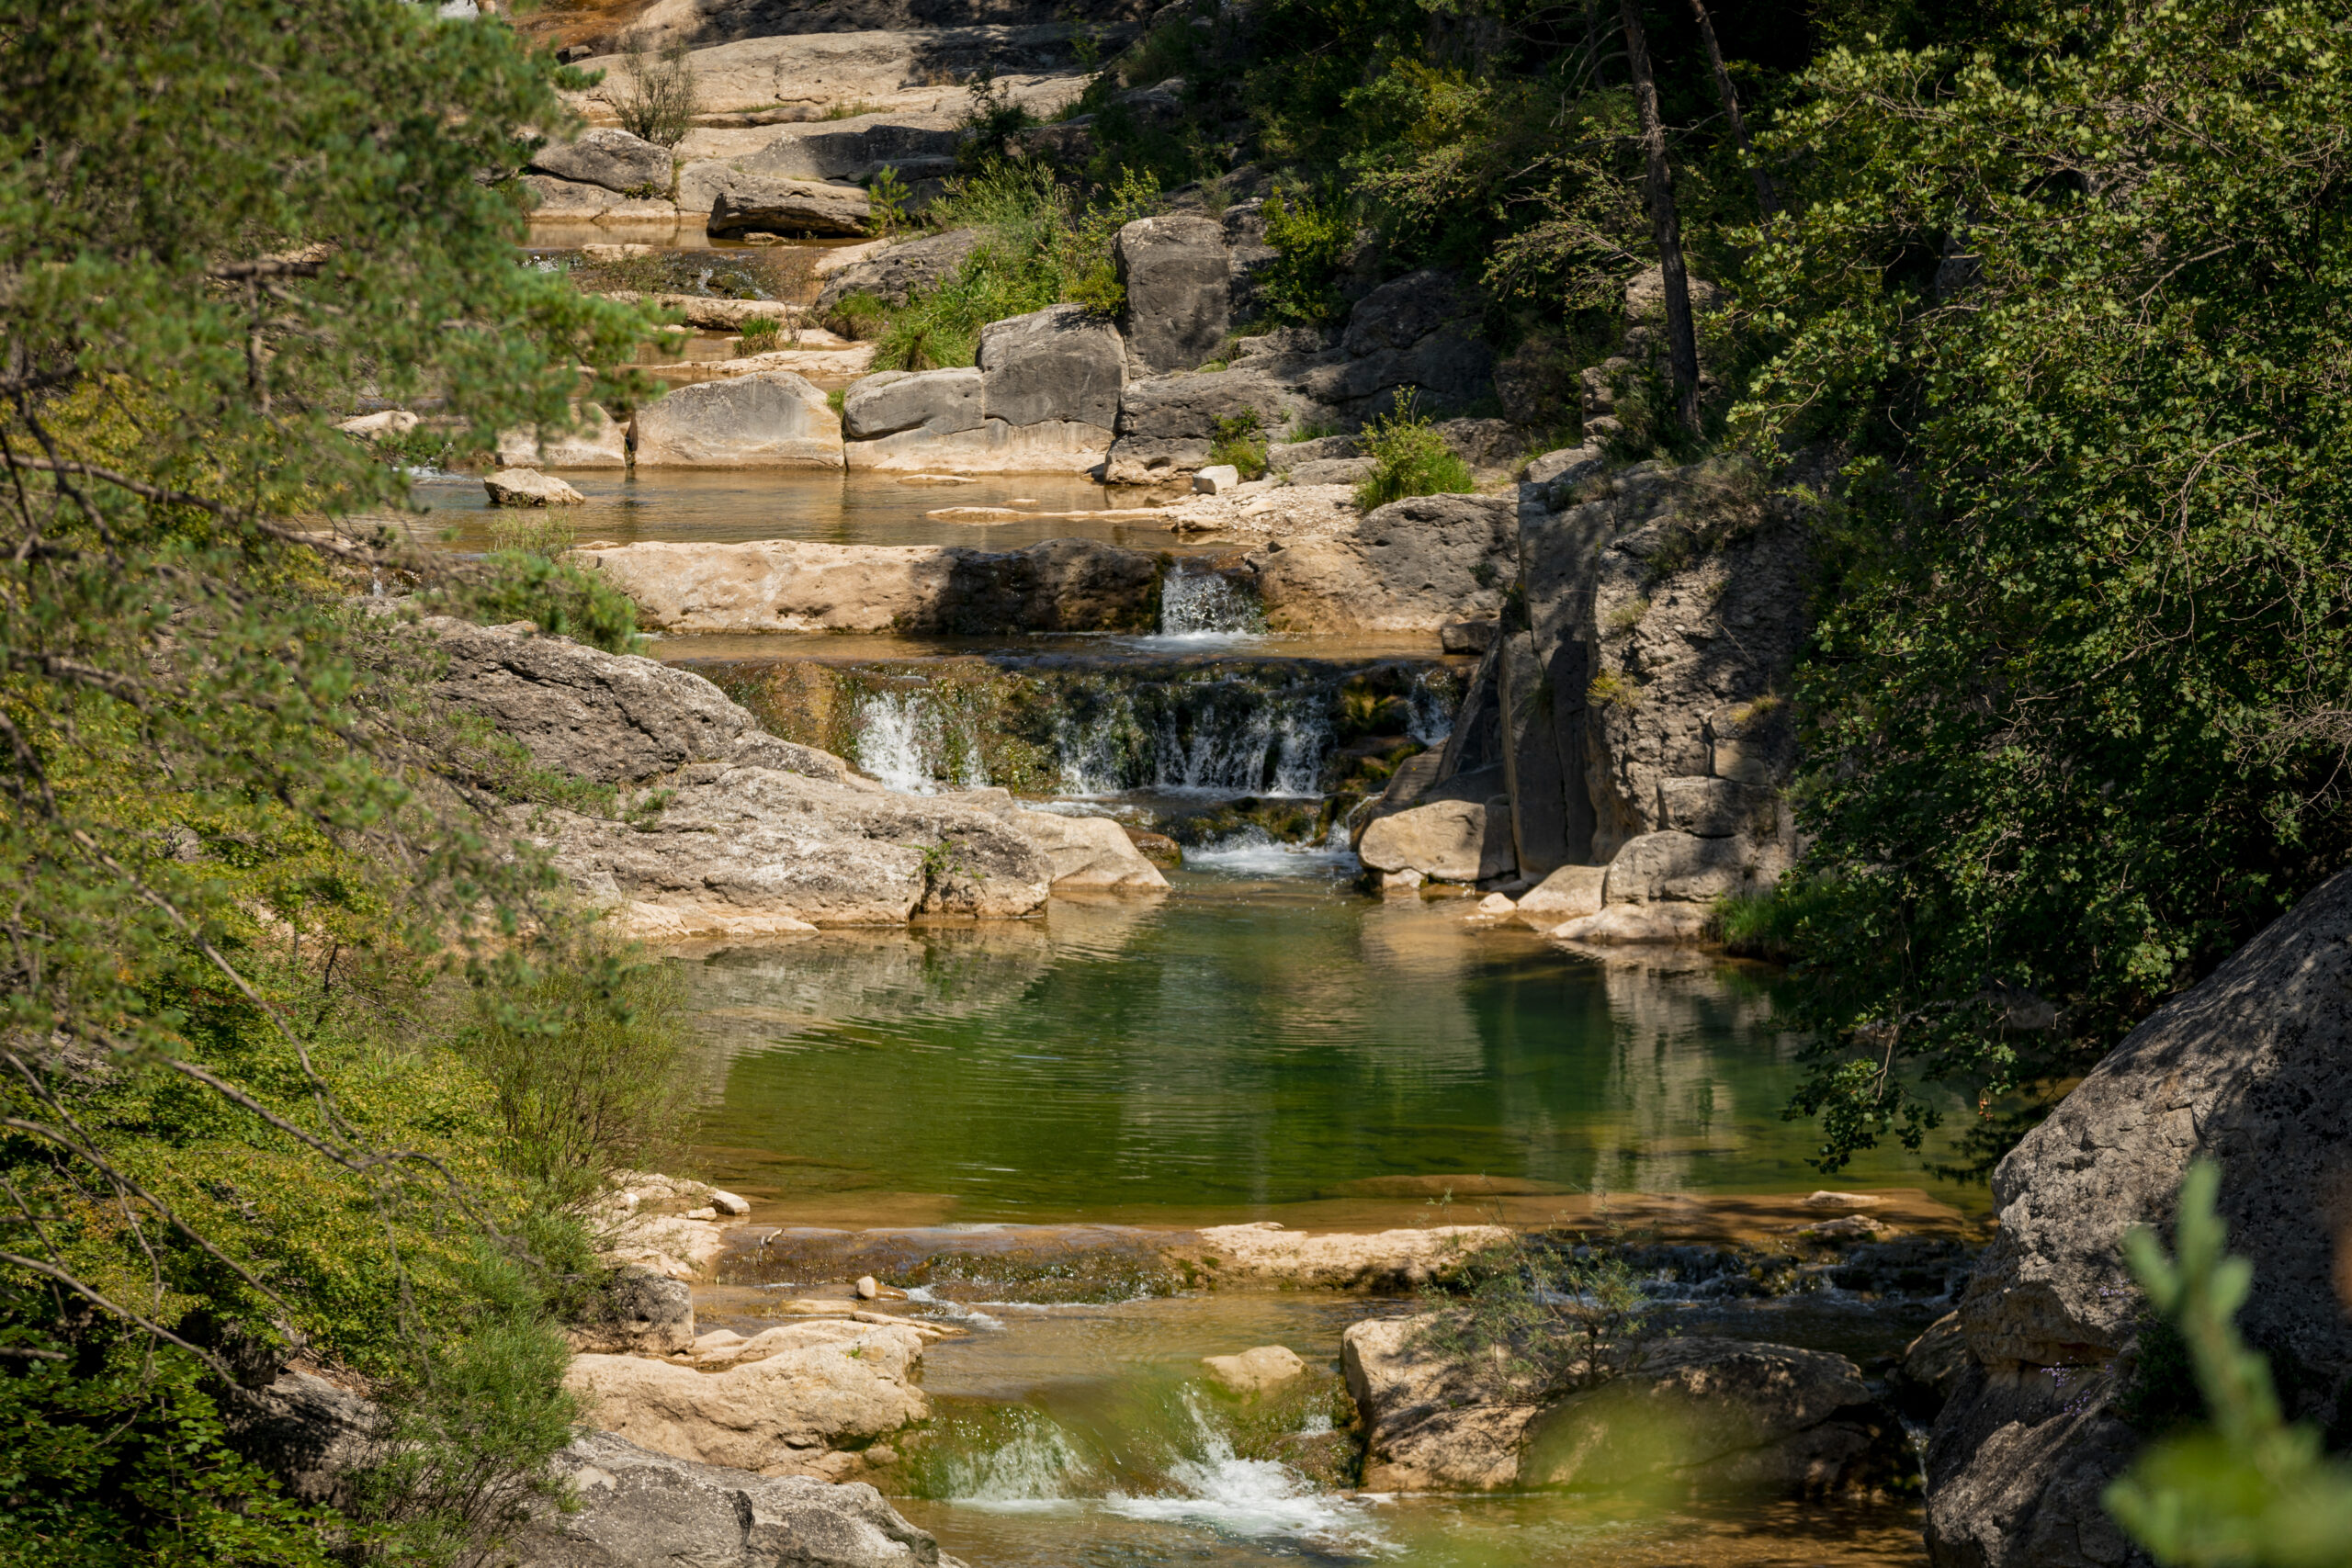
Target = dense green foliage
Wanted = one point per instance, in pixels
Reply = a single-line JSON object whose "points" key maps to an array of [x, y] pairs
{"points": [[254, 878], [1409, 458]]}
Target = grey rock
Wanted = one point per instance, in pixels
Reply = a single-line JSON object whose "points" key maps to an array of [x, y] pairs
{"points": [[1188, 406], [615, 718], [902, 272], [1412, 565], [744, 203], [637, 1313], [856, 150], [1059, 363], [1680, 868], [1178, 289], [1931, 1369], [1481, 443], [1332, 472], [771, 419], [1716, 808], [1284, 456], [2252, 1067], [941, 401], [1467, 636], [635, 1507], [527, 488], [1150, 460], [309, 1434], [1399, 314], [553, 197], [1547, 831], [609, 158], [1446, 841]]}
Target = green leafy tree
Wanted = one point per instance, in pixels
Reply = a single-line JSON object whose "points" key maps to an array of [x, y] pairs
{"points": [[2081, 693]]}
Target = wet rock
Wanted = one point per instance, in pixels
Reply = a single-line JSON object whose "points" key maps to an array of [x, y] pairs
{"points": [[775, 419], [1449, 841], [595, 441], [607, 157], [1413, 565], [1176, 271], [633, 1506], [1061, 363], [612, 718], [775, 1416], [1256, 1371], [938, 402], [2251, 1068], [742, 203], [637, 1313], [528, 487], [896, 275], [1569, 893], [1265, 1253]]}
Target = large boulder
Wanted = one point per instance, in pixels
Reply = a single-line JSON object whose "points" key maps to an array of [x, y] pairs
{"points": [[612, 718], [902, 271], [1410, 566], [629, 1505], [610, 158], [842, 1383], [313, 1435], [1061, 363], [2253, 1069], [595, 441], [1722, 1416], [576, 201], [1089, 853], [1073, 585], [776, 419], [1177, 274], [991, 446], [859, 148], [1446, 841], [742, 203], [1418, 332], [937, 403], [529, 488]]}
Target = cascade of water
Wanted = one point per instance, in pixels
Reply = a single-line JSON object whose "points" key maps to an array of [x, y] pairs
{"points": [[1199, 605], [903, 739], [1232, 736], [1428, 712], [1248, 1496], [1038, 1466]]}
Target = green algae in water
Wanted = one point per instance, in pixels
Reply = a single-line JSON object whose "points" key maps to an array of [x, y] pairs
{"points": [[1234, 1050]]}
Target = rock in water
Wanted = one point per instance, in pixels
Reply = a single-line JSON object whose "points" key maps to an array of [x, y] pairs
{"points": [[635, 1507], [528, 487], [1061, 363], [2253, 1067], [742, 203], [597, 442], [1453, 840], [1256, 1371], [938, 402], [772, 420], [1216, 479]]}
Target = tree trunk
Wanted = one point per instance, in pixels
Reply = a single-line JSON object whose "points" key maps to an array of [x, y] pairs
{"points": [[1766, 199], [1682, 342]]}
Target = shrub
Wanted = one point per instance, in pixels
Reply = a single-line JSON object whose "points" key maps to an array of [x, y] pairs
{"points": [[1241, 441], [657, 104], [1312, 242], [887, 197], [1410, 459], [561, 598], [1535, 1321], [758, 337]]}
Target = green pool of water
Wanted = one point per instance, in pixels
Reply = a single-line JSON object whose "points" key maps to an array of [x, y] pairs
{"points": [[1248, 1046]]}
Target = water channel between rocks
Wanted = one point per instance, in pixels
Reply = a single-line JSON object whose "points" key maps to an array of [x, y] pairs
{"points": [[1260, 1043]]}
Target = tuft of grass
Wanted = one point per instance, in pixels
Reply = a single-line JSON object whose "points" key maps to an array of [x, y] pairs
{"points": [[1612, 690], [758, 337], [1241, 441], [1410, 458]]}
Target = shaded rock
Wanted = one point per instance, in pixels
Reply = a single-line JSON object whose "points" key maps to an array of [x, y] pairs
{"points": [[939, 402], [576, 201], [638, 1507], [2251, 1068], [1450, 841], [775, 419], [1061, 363], [309, 1433], [607, 157], [1635, 924], [1413, 565], [1188, 406], [1176, 272], [637, 1313], [1930, 1371], [528, 487], [612, 718], [775, 1416], [902, 271], [597, 441], [855, 150], [743, 203], [1256, 1371], [1467, 636]]}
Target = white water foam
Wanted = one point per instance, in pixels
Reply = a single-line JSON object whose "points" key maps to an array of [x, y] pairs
{"points": [[1429, 716], [1271, 744], [1037, 1469], [1253, 852], [1254, 1498], [1203, 609], [903, 741]]}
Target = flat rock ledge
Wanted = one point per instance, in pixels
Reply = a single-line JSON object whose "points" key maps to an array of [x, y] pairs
{"points": [[1264, 1254]]}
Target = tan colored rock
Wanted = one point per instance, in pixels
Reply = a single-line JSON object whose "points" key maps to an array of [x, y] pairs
{"points": [[1256, 1371], [386, 422], [1089, 853], [1633, 925], [729, 1205], [1567, 893], [1449, 841], [1843, 1200], [1496, 906], [1411, 566], [773, 1416], [528, 487], [868, 1287], [1265, 1253], [668, 1245], [992, 446], [812, 362], [1432, 1422], [774, 419], [596, 442]]}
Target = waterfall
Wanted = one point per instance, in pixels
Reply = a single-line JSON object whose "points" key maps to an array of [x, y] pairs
{"points": [[1200, 605], [906, 741], [1428, 711], [1035, 1466], [1231, 736], [1249, 1497]]}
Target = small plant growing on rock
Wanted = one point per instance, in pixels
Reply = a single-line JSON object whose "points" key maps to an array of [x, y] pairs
{"points": [[1611, 689], [1410, 459], [1242, 441], [1537, 1320], [758, 337], [885, 197], [657, 104], [1312, 241]]}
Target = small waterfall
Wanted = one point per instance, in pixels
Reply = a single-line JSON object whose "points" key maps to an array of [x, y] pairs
{"points": [[905, 740], [1200, 605], [1428, 711], [1036, 1465], [1229, 736], [1248, 1497]]}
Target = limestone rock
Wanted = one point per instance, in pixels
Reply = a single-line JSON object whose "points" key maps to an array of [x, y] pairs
{"points": [[1680, 868], [856, 149], [1257, 1370], [735, 847], [310, 1433], [1188, 406], [1932, 1369], [1266, 1254], [1152, 460], [637, 1313], [938, 402], [607, 157], [528, 487], [635, 1507], [385, 421], [776, 419], [1450, 841], [774, 1415], [1334, 471], [2252, 1067], [1411, 566], [612, 718], [901, 271], [576, 201], [728, 1203], [1089, 853], [1217, 480], [1633, 925], [743, 203], [1177, 274], [783, 585], [1569, 893], [1433, 1423], [992, 446], [1061, 363], [597, 441]]}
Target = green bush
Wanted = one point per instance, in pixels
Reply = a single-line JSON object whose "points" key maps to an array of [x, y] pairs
{"points": [[758, 337], [1313, 240], [1409, 458], [658, 104], [1534, 1321], [1241, 441], [561, 598]]}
